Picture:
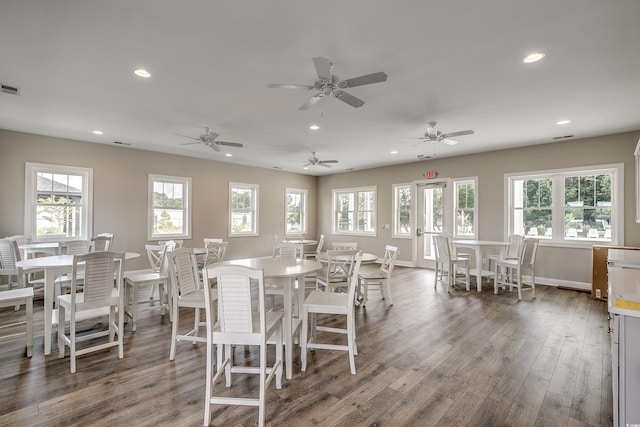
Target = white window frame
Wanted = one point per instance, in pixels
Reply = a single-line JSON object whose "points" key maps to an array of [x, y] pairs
{"points": [[456, 183], [31, 191], [186, 214], [303, 210], [336, 192], [557, 208], [255, 192], [397, 233]]}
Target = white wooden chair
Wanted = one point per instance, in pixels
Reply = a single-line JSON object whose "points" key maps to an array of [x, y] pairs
{"points": [[381, 278], [457, 268], [289, 250], [9, 255], [338, 271], [16, 298], [102, 242], [156, 276], [216, 252], [345, 246], [186, 291], [318, 302], [98, 298], [239, 322], [71, 247], [513, 250], [509, 271], [318, 249]]}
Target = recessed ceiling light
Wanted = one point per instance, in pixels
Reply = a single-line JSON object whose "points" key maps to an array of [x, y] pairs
{"points": [[393, 152], [305, 168], [563, 122], [314, 127], [142, 73], [533, 57], [228, 154], [98, 132]]}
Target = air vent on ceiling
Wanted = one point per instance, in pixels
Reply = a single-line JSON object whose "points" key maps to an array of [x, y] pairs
{"points": [[10, 90], [423, 156], [121, 143], [563, 137]]}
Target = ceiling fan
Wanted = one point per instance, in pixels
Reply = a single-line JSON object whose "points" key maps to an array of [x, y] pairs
{"points": [[314, 161], [329, 84], [434, 135], [209, 138]]}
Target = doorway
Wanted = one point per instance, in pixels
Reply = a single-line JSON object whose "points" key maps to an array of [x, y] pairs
{"points": [[433, 217]]}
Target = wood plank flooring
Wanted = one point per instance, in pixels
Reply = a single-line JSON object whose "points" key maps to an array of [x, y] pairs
{"points": [[432, 359]]}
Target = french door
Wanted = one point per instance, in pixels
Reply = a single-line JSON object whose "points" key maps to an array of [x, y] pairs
{"points": [[433, 217]]}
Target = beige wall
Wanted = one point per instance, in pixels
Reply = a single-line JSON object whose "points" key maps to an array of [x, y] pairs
{"points": [[563, 266], [120, 191]]}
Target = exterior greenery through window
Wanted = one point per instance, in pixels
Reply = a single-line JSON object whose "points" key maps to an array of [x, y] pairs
{"points": [[572, 205], [296, 211], [465, 197], [169, 207], [402, 210], [243, 209], [57, 202], [355, 211]]}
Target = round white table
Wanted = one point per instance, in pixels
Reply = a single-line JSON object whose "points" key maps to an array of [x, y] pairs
{"points": [[289, 269], [53, 267], [367, 258], [479, 247]]}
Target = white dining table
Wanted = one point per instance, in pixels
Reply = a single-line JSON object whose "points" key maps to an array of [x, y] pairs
{"points": [[53, 266], [289, 269], [480, 247], [305, 242], [51, 248], [367, 258]]}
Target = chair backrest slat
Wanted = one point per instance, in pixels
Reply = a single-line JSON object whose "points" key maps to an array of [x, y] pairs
{"points": [[389, 259], [100, 270], [288, 250], [183, 271], [9, 255]]}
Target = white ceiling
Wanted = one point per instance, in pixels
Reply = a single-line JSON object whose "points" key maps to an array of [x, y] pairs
{"points": [[457, 62]]}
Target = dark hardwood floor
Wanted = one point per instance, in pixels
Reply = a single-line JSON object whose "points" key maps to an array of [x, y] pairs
{"points": [[432, 359]]}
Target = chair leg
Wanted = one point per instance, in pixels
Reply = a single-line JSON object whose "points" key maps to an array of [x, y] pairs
{"points": [[61, 316], [303, 339], [72, 339], [196, 325], [29, 326], [120, 331], [262, 397], [208, 384], [387, 288], [174, 332], [134, 307], [350, 344], [365, 292]]}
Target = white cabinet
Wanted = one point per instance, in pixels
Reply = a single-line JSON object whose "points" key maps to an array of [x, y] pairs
{"points": [[625, 374], [637, 154]]}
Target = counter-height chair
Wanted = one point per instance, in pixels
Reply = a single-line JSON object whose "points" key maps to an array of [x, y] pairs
{"points": [[156, 276], [318, 302], [457, 268], [338, 271], [380, 279], [290, 250], [102, 242], [98, 298], [345, 246], [513, 251], [186, 291], [215, 250], [9, 255], [62, 283], [241, 320], [17, 298], [509, 271]]}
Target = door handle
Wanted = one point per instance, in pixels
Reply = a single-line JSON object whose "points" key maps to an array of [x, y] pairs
{"points": [[418, 232]]}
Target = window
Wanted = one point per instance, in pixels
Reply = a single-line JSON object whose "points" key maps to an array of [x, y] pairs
{"points": [[296, 211], [354, 211], [402, 210], [58, 202], [578, 206], [465, 208], [169, 207], [243, 209]]}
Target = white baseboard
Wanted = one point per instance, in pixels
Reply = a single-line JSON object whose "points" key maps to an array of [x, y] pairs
{"points": [[583, 286]]}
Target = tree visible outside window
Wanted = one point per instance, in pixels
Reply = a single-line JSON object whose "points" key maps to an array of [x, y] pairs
{"points": [[296, 211], [355, 211], [57, 202], [465, 196], [169, 208], [243, 209], [402, 210]]}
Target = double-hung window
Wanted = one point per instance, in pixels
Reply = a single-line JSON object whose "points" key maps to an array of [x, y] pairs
{"points": [[579, 206], [402, 210], [354, 211], [58, 202], [465, 208], [296, 211], [243, 209], [169, 207]]}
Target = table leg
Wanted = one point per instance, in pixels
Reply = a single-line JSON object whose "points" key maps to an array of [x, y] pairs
{"points": [[478, 268], [288, 327], [49, 277]]}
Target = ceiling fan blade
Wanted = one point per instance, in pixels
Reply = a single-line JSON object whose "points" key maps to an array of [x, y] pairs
{"points": [[323, 68], [214, 146], [307, 165], [364, 80], [448, 141], [288, 86], [462, 132], [323, 165], [327, 161], [349, 99], [190, 143], [311, 101], [229, 144], [187, 136]]}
